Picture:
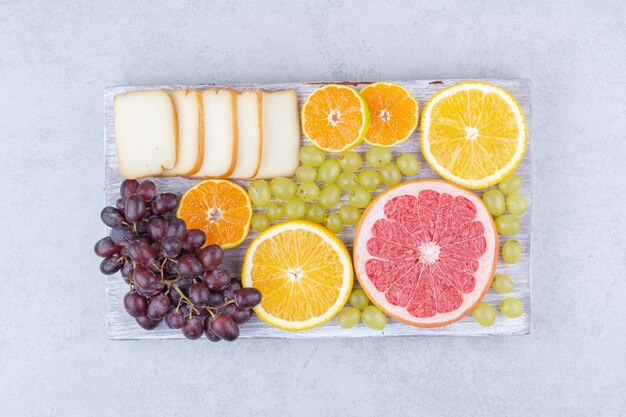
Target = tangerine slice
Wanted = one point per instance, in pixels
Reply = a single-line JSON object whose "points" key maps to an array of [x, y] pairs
{"points": [[335, 118], [425, 252], [220, 208], [394, 113]]}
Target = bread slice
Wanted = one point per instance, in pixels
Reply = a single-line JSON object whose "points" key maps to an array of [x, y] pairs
{"points": [[281, 134], [250, 132], [189, 153], [219, 110], [146, 133]]}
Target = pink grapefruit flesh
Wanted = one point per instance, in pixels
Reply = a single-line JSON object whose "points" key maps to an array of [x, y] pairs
{"points": [[425, 252]]}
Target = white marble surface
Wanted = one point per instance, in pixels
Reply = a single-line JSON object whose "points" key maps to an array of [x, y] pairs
{"points": [[55, 60]]}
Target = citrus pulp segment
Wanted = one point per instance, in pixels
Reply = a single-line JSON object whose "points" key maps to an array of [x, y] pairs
{"points": [[473, 134], [335, 118], [220, 208], [425, 252], [394, 113], [303, 271]]}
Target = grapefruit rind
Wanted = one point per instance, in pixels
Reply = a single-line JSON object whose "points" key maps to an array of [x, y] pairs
{"points": [[329, 238], [364, 125], [488, 260], [497, 176], [410, 132]]}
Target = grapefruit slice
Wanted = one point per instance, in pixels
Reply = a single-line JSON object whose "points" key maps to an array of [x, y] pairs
{"points": [[425, 252]]}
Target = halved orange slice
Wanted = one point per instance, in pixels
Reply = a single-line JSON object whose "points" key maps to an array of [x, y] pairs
{"points": [[394, 113], [221, 208], [335, 118], [303, 271]]}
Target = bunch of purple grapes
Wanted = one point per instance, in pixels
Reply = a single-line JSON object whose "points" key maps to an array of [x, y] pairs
{"points": [[171, 276]]}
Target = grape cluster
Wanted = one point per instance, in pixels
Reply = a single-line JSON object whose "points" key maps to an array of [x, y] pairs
{"points": [[171, 276], [322, 181]]}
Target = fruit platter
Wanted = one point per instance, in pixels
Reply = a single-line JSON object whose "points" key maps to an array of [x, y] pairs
{"points": [[314, 210]]}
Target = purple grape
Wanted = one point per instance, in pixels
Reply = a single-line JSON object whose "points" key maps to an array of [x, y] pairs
{"points": [[216, 299], [147, 190], [106, 247], [146, 322], [192, 329], [141, 252], [158, 306], [170, 268], [199, 294], [193, 239], [110, 265], [164, 203], [208, 330], [174, 296], [144, 278], [184, 284], [128, 187], [246, 298], [189, 266], [120, 234], [211, 257], [127, 269], [238, 315], [135, 208], [135, 304], [174, 319], [229, 292], [157, 228], [216, 279], [171, 247], [151, 292], [120, 204], [111, 216], [225, 327], [176, 228]]}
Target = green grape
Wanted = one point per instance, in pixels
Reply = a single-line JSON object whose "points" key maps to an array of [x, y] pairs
{"points": [[274, 211], [260, 222], [484, 315], [329, 171], [508, 224], [511, 184], [334, 223], [295, 209], [511, 251], [359, 299], [378, 157], [349, 214], [516, 204], [349, 317], [308, 191], [311, 156], [374, 318], [407, 164], [359, 197], [511, 307], [283, 188], [259, 193], [350, 161], [306, 173], [369, 179], [316, 214], [494, 201], [347, 180], [329, 196], [503, 284], [390, 174]]}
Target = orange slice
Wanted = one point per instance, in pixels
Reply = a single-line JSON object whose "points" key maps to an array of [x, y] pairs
{"points": [[303, 271], [394, 113], [335, 118], [473, 134], [220, 208]]}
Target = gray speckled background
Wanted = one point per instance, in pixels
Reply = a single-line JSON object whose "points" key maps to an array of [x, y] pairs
{"points": [[54, 63]]}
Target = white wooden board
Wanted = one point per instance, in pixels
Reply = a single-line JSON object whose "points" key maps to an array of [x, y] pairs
{"points": [[121, 326]]}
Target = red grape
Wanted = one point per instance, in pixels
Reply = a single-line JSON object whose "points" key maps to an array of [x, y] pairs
{"points": [[147, 190], [164, 203], [225, 327], [176, 228], [171, 247], [189, 266], [135, 304], [211, 257], [217, 279], [141, 252], [106, 247], [120, 204], [208, 330], [144, 278], [158, 306], [238, 315], [192, 329], [146, 322], [193, 239], [246, 298], [120, 234], [199, 294], [157, 228], [128, 187], [111, 216], [174, 319], [111, 264], [135, 208]]}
